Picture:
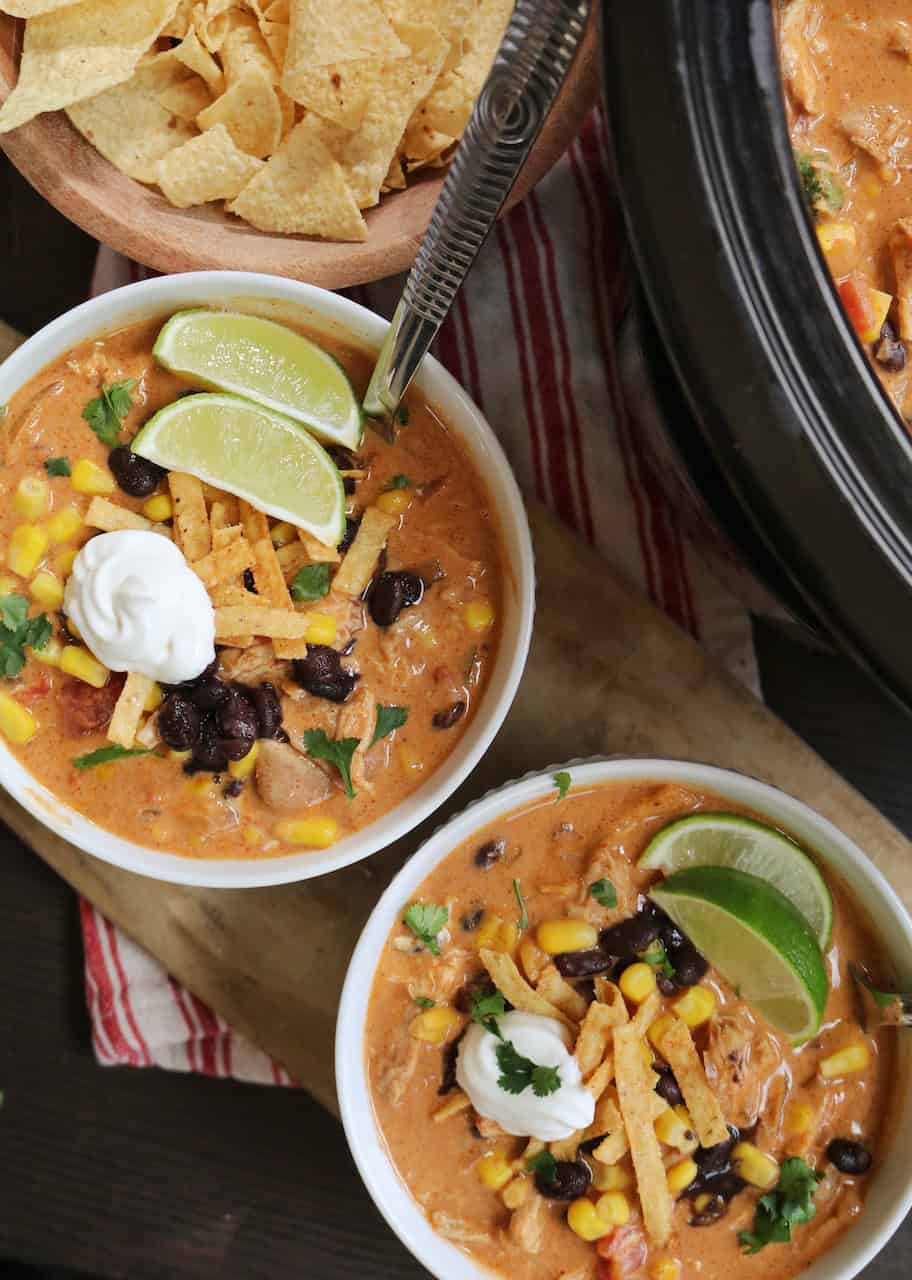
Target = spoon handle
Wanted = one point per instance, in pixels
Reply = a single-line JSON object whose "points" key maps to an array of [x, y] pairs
{"points": [[537, 49]]}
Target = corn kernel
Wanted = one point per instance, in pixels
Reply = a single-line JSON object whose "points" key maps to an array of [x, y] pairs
{"points": [[26, 549], [89, 477], [158, 508], [832, 233], [315, 833], [254, 835], [637, 982], [487, 932], [394, 502], [610, 1177], [532, 959], [516, 1192], [50, 654], [703, 1201], [32, 498], [658, 1028], [872, 188], [434, 1025], [614, 1208], [681, 1175], [584, 1220], [321, 629], [493, 1169], [8, 584], [73, 629], [282, 533], [665, 1269], [674, 1127], [62, 562], [478, 615], [880, 306], [696, 1006], [846, 1062], [64, 525], [17, 724], [153, 698], [558, 936], [508, 938], [409, 762], [755, 1166], [78, 662], [46, 590], [179, 756], [244, 767], [799, 1119]]}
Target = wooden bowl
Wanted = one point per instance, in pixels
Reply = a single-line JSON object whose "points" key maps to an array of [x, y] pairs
{"points": [[139, 222]]}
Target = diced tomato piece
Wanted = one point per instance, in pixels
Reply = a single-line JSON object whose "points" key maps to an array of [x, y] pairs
{"points": [[621, 1254], [855, 293], [37, 689]]}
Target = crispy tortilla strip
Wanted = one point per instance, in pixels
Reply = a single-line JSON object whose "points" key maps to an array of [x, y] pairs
{"points": [[558, 991], [455, 1104], [237, 642], [261, 620], [601, 1077], [191, 520], [680, 1053], [225, 563], [566, 1148], [507, 978], [595, 1033], [79, 51], [292, 557], [614, 1146], [608, 992], [647, 1013], [218, 520], [256, 526], [268, 575], [128, 709], [636, 1084], [110, 518], [318, 551], [231, 593], [224, 536], [357, 569], [208, 167]]}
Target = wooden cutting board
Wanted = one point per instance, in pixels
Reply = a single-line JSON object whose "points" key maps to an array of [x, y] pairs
{"points": [[608, 675]]}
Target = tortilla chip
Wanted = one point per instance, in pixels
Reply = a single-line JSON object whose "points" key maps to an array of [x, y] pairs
{"points": [[395, 178], [559, 992], [302, 190], [224, 563], [318, 551], [595, 1034], [80, 50], [450, 103], [208, 167], [110, 518], [244, 49], [197, 58], [510, 982], [276, 35], [217, 20], [32, 8], [636, 1083], [337, 92], [182, 21], [679, 1051], [357, 569], [260, 620], [251, 113], [614, 1146], [128, 709], [191, 520], [345, 31], [187, 99]]}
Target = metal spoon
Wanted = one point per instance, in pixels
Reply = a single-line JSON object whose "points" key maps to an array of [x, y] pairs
{"points": [[883, 1008], [537, 49]]}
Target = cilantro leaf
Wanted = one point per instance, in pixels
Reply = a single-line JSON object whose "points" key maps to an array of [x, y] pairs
{"points": [[388, 719], [543, 1166], [426, 919], [519, 1073], [789, 1204], [58, 467], [656, 957], [13, 610], [523, 913], [403, 415], [423, 1002], [106, 754], [562, 781], [18, 631], [311, 582], [604, 893], [400, 481], [487, 1009], [545, 1081], [105, 413], [337, 751]]}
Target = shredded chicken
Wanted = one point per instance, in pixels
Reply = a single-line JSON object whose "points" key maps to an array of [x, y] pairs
{"points": [[288, 782], [608, 863], [358, 719], [527, 1224], [883, 132], [900, 39], [488, 1128], [394, 1077], [301, 711], [900, 246], [799, 24], [458, 1230], [739, 1061], [253, 665]]}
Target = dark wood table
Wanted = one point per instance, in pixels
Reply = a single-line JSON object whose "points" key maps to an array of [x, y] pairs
{"points": [[146, 1175]]}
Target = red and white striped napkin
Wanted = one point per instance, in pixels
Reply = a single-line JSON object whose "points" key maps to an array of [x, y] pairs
{"points": [[532, 339]]}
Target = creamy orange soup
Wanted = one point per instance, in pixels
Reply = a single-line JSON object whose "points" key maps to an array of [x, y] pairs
{"points": [[478, 1186], [431, 659]]}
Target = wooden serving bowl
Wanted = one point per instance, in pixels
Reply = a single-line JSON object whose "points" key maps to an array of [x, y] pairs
{"points": [[139, 222]]}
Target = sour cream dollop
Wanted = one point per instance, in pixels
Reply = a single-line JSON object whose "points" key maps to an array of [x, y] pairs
{"points": [[546, 1042], [140, 607]]}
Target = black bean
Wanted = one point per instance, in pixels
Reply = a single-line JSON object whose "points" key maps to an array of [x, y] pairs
{"points": [[850, 1158], [590, 1144], [321, 673], [471, 920], [666, 985], [571, 1180], [250, 581], [209, 694], [710, 1213], [206, 674], [233, 788], [890, 351], [351, 529], [631, 936], [178, 722], [583, 964], [667, 1086], [136, 476], [450, 1057], [237, 724], [392, 592], [716, 1160], [208, 750], [268, 709], [726, 1186], [489, 853], [689, 965], [449, 716], [345, 461]]}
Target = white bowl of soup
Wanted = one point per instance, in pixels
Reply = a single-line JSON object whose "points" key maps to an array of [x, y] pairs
{"points": [[421, 692], [598, 1152]]}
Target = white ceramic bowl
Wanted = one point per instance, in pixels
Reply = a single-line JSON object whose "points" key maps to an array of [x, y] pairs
{"points": [[889, 1196], [334, 315]]}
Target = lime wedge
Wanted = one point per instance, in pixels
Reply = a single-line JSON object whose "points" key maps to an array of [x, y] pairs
{"points": [[261, 456], [265, 362], [756, 939], [726, 840]]}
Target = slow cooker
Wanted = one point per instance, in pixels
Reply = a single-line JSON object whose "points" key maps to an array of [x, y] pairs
{"points": [[764, 416]]}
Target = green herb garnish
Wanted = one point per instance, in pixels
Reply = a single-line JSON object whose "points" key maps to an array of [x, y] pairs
{"points": [[337, 751], [426, 919], [789, 1204], [18, 630], [543, 1165], [58, 467], [656, 957], [523, 913], [388, 719], [487, 1009], [518, 1073], [821, 190], [604, 892], [105, 413], [311, 582], [104, 755], [403, 415], [563, 782], [424, 1002], [400, 482]]}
